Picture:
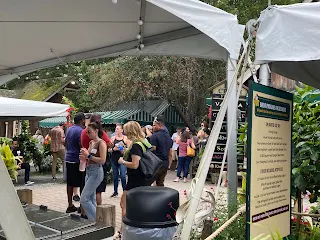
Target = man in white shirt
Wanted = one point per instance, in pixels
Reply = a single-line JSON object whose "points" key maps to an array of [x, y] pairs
{"points": [[175, 146]]}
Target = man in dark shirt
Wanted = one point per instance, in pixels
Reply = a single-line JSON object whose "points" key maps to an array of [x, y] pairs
{"points": [[17, 152], [73, 146], [162, 144]]}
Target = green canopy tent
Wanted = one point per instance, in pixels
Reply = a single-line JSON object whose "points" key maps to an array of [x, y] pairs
{"points": [[123, 116], [52, 122]]}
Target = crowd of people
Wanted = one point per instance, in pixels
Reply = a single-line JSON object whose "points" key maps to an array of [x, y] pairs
{"points": [[86, 152]]}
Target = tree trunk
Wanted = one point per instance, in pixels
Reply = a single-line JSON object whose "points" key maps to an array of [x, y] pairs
{"points": [[184, 118]]}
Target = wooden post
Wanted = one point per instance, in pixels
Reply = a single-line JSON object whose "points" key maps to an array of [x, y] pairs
{"points": [[25, 195], [2, 129], [10, 129], [106, 215]]}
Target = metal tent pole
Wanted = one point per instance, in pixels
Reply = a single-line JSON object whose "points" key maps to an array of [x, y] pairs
{"points": [[232, 134]]}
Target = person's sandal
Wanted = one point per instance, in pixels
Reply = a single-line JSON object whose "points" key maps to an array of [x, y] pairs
{"points": [[117, 236]]}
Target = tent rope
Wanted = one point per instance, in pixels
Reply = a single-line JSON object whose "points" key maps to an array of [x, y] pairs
{"points": [[201, 215], [244, 67], [241, 211]]}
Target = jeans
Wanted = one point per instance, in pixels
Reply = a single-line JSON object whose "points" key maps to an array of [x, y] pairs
{"points": [[115, 170], [94, 176], [183, 163], [26, 168]]}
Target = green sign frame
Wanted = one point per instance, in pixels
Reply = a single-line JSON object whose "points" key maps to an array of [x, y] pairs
{"points": [[275, 114]]}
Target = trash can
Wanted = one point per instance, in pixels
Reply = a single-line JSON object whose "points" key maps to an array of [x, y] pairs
{"points": [[150, 213]]}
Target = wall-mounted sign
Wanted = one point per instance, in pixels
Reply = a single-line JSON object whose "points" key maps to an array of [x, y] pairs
{"points": [[269, 161]]}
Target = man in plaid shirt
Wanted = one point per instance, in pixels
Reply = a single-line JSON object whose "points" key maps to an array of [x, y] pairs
{"points": [[57, 147]]}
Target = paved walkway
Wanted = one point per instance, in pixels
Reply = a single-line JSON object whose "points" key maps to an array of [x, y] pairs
{"points": [[53, 194]]}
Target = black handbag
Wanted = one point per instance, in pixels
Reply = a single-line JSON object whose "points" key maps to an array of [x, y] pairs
{"points": [[149, 164]]}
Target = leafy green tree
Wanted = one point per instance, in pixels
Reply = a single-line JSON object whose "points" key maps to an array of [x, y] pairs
{"points": [[184, 82], [29, 146], [306, 142], [246, 9]]}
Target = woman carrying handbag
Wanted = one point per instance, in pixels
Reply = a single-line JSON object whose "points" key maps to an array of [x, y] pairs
{"points": [[186, 153]]}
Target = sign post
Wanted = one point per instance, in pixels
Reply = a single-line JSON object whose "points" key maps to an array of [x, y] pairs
{"points": [[269, 161]]}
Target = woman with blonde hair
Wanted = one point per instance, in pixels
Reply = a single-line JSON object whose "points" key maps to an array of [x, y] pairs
{"points": [[131, 160]]}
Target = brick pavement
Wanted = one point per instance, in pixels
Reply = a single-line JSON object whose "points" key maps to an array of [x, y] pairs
{"points": [[53, 194]]}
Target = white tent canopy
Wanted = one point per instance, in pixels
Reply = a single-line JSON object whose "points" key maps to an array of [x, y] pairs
{"points": [[11, 108], [36, 34], [288, 37]]}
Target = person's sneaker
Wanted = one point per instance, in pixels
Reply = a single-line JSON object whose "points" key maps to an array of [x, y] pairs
{"points": [[83, 216], [54, 178], [76, 198], [114, 195], [71, 209], [28, 183]]}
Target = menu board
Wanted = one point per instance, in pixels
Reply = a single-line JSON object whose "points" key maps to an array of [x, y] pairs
{"points": [[269, 161], [222, 139]]}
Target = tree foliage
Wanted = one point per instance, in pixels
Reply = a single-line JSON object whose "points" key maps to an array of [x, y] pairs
{"points": [[184, 82], [306, 143], [246, 9], [29, 146]]}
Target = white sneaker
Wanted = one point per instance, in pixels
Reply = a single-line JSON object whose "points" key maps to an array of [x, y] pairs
{"points": [[29, 183]]}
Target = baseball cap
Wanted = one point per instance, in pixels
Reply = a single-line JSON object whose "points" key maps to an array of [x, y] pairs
{"points": [[160, 119], [78, 117]]}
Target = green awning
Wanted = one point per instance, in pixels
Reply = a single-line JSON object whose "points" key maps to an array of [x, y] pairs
{"points": [[121, 116], [52, 122], [209, 101]]}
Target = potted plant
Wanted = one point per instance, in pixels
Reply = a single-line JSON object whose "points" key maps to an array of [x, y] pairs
{"points": [[9, 160]]}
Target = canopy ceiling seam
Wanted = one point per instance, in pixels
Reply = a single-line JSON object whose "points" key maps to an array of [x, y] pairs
{"points": [[143, 8], [89, 22], [108, 50]]}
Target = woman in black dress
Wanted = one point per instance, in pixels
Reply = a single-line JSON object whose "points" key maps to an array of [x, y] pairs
{"points": [[131, 160]]}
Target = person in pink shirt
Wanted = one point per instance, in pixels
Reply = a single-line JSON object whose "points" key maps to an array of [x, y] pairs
{"points": [[184, 160]]}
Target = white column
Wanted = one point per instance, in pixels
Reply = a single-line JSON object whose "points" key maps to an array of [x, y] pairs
{"points": [[7, 128], [13, 220], [264, 75], [232, 132]]}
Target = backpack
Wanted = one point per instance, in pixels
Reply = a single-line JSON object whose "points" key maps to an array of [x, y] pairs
{"points": [[107, 167], [149, 163]]}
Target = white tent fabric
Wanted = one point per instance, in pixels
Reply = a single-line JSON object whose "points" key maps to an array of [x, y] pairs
{"points": [[288, 38], [26, 109], [36, 34]]}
